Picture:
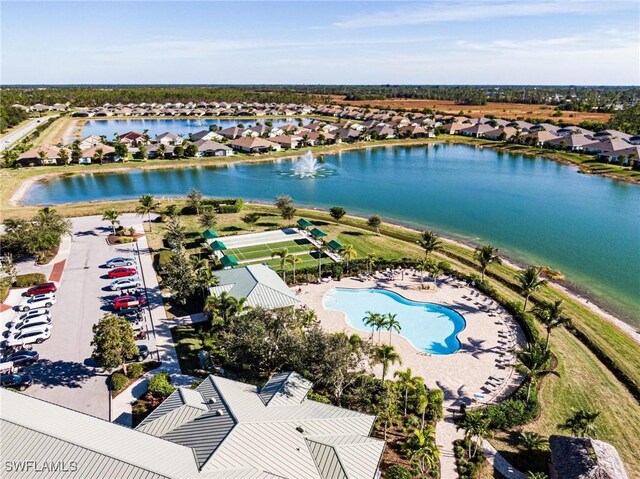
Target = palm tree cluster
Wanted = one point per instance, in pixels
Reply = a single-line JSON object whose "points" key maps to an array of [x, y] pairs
{"points": [[533, 364], [223, 308], [379, 321]]}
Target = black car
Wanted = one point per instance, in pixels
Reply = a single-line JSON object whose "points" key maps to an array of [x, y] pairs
{"points": [[143, 352], [130, 314], [22, 357], [16, 381]]}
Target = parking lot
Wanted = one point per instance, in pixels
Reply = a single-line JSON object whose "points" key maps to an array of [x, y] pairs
{"points": [[65, 374]]}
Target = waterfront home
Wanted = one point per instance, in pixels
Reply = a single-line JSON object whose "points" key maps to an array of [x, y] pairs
{"points": [[539, 137], [205, 135], [221, 429], [133, 138], [383, 131], [502, 133], [413, 131], [520, 125], [169, 139], [548, 127], [607, 145], [89, 141], [235, 132], [584, 458], [287, 142], [610, 135], [89, 155], [452, 127], [208, 148], [478, 130], [254, 145], [626, 156], [348, 135], [573, 142], [39, 156], [160, 150]]}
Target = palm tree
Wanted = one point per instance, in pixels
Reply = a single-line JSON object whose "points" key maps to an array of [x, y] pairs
{"points": [[370, 260], [475, 425], [536, 475], [408, 383], [375, 320], [348, 252], [430, 242], [284, 256], [551, 316], [391, 324], [424, 452], [533, 361], [423, 402], [293, 260], [98, 156], [204, 276], [112, 217], [225, 305], [582, 423], [530, 282], [147, 204], [319, 251], [422, 266], [531, 440], [485, 255], [387, 356]]}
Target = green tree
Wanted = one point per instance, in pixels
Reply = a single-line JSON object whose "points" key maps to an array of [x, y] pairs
{"points": [[430, 242], [226, 306], [143, 153], [551, 315], [147, 204], [407, 382], [207, 218], [391, 323], [337, 213], [112, 217], [423, 450], [486, 255], [294, 260], [113, 342], [376, 321], [476, 428], [284, 203], [195, 199], [121, 150], [533, 362], [179, 276], [284, 256], [529, 282], [98, 156], [582, 423], [374, 222], [387, 414], [627, 120], [171, 210], [370, 260], [250, 219], [63, 156], [175, 233], [9, 267], [191, 150], [348, 252], [386, 356]]}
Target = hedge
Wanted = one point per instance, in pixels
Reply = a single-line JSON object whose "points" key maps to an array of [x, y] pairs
{"points": [[160, 385], [118, 381], [135, 370], [30, 279], [164, 258]]}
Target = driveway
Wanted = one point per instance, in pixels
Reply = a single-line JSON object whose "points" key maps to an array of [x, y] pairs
{"points": [[66, 375]]}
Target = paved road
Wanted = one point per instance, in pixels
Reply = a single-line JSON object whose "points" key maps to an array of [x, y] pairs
{"points": [[8, 140], [66, 374]]}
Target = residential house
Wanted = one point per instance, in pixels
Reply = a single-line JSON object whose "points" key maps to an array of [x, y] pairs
{"points": [[169, 139], [235, 132], [211, 148], [88, 154], [413, 131], [39, 156], [477, 130], [540, 137], [160, 150], [287, 142], [205, 135], [584, 458], [503, 132], [348, 135], [89, 141], [254, 145], [573, 142]]}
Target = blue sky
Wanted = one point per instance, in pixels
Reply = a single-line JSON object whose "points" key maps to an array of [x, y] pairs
{"points": [[430, 42]]}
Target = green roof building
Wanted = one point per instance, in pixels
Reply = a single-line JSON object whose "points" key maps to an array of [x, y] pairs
{"points": [[304, 223], [318, 233], [209, 234], [218, 245], [229, 261], [335, 245]]}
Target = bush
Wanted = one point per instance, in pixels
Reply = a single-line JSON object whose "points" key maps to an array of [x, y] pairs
{"points": [[398, 472], [515, 411], [164, 258], [28, 280], [118, 381], [434, 411], [468, 468], [135, 370], [160, 385]]}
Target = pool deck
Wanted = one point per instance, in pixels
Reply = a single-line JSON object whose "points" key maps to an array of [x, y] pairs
{"points": [[475, 373]]}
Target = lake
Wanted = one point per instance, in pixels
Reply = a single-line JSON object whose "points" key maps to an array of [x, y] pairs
{"points": [[536, 211], [179, 126]]}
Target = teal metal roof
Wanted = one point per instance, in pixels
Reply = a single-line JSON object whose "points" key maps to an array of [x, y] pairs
{"points": [[228, 261], [304, 223], [335, 245], [209, 234], [318, 233], [218, 245]]}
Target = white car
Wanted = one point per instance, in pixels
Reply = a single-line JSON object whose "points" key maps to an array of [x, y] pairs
{"points": [[31, 314], [35, 334], [30, 322], [38, 301], [125, 283]]}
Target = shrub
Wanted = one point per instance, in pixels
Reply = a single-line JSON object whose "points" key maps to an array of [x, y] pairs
{"points": [[135, 370], [515, 411], [398, 472], [118, 381], [30, 279], [5, 286], [160, 385], [164, 258], [434, 411]]}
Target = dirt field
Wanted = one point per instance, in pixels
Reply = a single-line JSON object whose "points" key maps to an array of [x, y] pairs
{"points": [[507, 111]]}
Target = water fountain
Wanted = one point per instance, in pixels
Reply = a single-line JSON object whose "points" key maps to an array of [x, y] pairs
{"points": [[309, 167]]}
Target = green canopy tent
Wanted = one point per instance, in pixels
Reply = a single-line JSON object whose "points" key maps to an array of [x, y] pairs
{"points": [[304, 223], [318, 233], [335, 245], [229, 261], [218, 245], [209, 234]]}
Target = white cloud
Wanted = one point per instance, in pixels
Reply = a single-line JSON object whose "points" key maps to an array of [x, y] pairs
{"points": [[462, 11]]}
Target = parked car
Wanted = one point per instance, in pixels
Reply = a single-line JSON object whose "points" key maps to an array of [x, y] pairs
{"points": [[34, 313], [41, 289], [143, 352], [36, 334], [30, 322], [121, 272], [38, 301], [23, 357], [116, 262], [125, 283], [17, 381], [122, 302], [130, 314]]}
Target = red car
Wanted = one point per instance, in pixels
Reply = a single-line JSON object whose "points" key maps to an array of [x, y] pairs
{"points": [[41, 289], [122, 302], [121, 272]]}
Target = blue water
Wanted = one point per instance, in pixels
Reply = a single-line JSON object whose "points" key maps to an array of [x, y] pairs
{"points": [[179, 126], [430, 327], [536, 211]]}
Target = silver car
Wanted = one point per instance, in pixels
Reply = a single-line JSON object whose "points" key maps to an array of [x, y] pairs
{"points": [[35, 334], [125, 283], [118, 262]]}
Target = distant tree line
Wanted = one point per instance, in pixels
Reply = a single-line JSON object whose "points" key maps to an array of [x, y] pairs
{"points": [[10, 116]]}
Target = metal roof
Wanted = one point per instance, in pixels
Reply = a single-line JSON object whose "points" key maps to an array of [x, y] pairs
{"points": [[304, 223], [228, 261], [335, 245], [209, 234], [318, 233], [258, 283], [287, 388], [218, 245]]}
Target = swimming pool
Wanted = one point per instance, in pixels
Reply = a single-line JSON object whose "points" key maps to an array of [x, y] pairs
{"points": [[432, 328]]}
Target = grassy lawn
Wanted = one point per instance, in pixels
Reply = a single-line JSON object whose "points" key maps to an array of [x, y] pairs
{"points": [[187, 345]]}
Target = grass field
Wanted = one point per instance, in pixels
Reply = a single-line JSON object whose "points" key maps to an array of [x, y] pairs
{"points": [[248, 253]]}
